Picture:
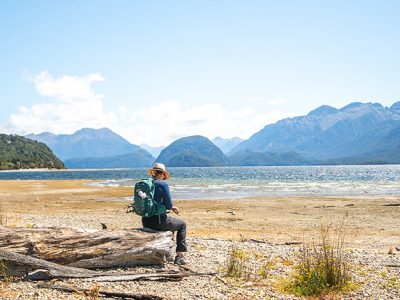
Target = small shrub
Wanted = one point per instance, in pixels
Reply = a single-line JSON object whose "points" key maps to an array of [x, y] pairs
{"points": [[246, 265], [6, 272], [263, 271], [93, 293], [322, 268], [235, 264]]}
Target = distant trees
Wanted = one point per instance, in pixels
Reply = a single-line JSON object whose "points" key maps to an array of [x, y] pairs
{"points": [[192, 151], [17, 152]]}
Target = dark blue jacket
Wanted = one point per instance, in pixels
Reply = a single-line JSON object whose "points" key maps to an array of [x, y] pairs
{"points": [[162, 194]]}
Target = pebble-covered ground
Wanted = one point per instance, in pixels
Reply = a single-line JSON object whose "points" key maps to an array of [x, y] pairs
{"points": [[370, 272]]}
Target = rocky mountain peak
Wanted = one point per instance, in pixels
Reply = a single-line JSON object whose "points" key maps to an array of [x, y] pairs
{"points": [[395, 108], [323, 110]]}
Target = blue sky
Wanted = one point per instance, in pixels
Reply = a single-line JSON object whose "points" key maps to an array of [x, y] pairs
{"points": [[155, 71]]}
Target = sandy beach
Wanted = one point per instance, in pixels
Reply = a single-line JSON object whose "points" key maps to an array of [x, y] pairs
{"points": [[369, 221]]}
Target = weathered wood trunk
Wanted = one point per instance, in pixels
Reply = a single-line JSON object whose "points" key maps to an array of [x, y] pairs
{"points": [[89, 249], [31, 268], [17, 264]]}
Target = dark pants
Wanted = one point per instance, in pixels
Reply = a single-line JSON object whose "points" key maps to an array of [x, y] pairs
{"points": [[169, 224]]}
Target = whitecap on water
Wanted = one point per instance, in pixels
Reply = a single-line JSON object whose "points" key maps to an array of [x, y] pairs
{"points": [[233, 182]]}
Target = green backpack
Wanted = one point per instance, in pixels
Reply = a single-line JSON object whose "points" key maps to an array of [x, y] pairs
{"points": [[143, 200]]}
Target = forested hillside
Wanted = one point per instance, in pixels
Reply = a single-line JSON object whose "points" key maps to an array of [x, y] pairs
{"points": [[137, 159], [17, 152], [192, 151]]}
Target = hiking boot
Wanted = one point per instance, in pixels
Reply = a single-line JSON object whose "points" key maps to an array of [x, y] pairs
{"points": [[180, 261]]}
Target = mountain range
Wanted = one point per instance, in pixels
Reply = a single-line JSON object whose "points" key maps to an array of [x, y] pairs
{"points": [[94, 149], [359, 133], [326, 133], [226, 145], [86, 142], [155, 151]]}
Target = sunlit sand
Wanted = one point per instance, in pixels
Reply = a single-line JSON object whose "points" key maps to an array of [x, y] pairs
{"points": [[370, 222]]}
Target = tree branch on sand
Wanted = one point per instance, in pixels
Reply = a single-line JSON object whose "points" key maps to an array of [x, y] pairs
{"points": [[49, 253], [75, 289], [90, 249]]}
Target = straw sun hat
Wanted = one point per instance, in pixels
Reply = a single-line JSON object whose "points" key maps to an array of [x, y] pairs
{"points": [[158, 167]]}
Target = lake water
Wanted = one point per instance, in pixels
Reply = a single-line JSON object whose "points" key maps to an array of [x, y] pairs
{"points": [[234, 182]]}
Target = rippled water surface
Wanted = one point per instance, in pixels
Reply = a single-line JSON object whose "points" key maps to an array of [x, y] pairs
{"points": [[228, 182]]}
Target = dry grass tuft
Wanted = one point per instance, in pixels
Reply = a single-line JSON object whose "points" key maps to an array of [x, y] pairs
{"points": [[93, 293], [323, 267]]}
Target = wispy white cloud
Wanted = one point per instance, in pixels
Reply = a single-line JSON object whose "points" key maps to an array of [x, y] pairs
{"points": [[67, 88], [275, 101], [165, 122], [258, 99], [168, 121], [122, 112], [60, 117], [76, 105], [261, 100], [269, 118], [248, 111]]}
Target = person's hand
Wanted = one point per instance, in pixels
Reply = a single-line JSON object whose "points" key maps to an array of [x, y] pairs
{"points": [[175, 210]]}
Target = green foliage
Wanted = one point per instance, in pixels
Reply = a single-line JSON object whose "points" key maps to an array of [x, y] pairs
{"points": [[321, 268], [247, 265], [235, 264], [137, 159], [249, 157], [17, 152], [191, 158], [6, 272], [197, 143], [388, 157]]}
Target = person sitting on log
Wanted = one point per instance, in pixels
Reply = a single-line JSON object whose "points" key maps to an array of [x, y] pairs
{"points": [[166, 223]]}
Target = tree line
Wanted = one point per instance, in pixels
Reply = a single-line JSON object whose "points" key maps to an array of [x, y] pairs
{"points": [[17, 152]]}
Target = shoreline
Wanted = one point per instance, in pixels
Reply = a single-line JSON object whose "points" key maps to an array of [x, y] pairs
{"points": [[371, 219], [50, 170]]}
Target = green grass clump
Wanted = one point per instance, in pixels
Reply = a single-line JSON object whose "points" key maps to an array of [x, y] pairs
{"points": [[6, 272], [322, 268], [245, 265], [236, 263]]}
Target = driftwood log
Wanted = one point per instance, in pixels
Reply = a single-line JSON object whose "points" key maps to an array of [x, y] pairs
{"points": [[65, 288], [31, 268], [89, 249], [274, 244]]}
